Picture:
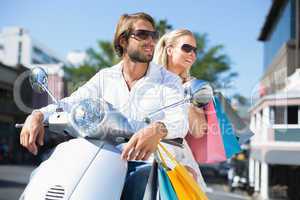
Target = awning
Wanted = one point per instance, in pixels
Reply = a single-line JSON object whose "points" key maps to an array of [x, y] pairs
{"points": [[282, 157]]}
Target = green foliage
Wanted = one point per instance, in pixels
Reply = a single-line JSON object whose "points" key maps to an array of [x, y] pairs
{"points": [[101, 57], [212, 64], [78, 76], [241, 99], [162, 26]]}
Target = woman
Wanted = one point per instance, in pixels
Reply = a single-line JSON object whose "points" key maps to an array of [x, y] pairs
{"points": [[176, 51]]}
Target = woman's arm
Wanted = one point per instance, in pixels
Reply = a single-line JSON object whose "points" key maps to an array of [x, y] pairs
{"points": [[197, 122]]}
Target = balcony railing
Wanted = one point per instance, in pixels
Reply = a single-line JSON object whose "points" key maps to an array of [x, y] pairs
{"points": [[286, 133]]}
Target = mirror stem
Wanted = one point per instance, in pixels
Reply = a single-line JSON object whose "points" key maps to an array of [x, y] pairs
{"points": [[148, 118], [50, 94]]}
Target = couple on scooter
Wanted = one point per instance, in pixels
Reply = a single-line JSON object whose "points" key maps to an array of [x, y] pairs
{"points": [[136, 86]]}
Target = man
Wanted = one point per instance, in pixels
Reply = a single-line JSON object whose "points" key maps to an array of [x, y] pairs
{"points": [[135, 87]]}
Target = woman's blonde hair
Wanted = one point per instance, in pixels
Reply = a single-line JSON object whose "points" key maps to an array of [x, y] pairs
{"points": [[170, 39]]}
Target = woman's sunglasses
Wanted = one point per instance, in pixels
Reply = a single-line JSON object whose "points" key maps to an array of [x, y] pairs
{"points": [[188, 48], [144, 35]]}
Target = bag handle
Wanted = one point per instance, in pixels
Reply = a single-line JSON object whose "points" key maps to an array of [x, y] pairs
{"points": [[162, 160], [172, 158]]}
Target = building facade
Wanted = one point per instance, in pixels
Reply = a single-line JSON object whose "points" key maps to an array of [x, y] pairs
{"points": [[274, 165], [18, 53], [17, 47]]}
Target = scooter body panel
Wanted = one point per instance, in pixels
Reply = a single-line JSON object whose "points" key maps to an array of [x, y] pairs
{"points": [[105, 178], [74, 164]]}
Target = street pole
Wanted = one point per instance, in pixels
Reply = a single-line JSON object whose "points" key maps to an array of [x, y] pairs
{"points": [[20, 48], [297, 34]]}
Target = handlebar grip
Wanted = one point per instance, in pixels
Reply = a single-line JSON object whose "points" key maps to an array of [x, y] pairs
{"points": [[19, 125]]}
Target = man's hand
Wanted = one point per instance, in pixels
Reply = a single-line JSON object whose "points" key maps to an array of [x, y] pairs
{"points": [[144, 142], [33, 130]]}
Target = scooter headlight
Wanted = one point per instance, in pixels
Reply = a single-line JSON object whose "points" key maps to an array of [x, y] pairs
{"points": [[87, 115]]}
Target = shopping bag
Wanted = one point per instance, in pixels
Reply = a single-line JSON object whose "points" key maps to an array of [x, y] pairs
{"points": [[166, 190], [230, 141], [152, 183], [241, 129], [209, 148], [183, 183]]}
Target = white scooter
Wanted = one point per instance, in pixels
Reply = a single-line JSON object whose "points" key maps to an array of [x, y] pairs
{"points": [[89, 167]]}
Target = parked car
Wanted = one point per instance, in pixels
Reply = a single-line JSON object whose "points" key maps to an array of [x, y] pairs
{"points": [[219, 170]]}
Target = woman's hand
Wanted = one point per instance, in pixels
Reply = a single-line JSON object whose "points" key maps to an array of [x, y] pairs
{"points": [[197, 122], [192, 172]]}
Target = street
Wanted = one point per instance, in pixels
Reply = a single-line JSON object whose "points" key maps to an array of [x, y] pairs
{"points": [[219, 195], [220, 192], [13, 180]]}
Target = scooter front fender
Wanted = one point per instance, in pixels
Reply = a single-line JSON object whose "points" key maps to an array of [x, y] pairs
{"points": [[79, 169]]}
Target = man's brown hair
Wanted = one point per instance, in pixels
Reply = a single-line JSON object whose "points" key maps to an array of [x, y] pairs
{"points": [[125, 26]]}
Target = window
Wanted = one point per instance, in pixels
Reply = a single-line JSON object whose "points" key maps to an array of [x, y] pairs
{"points": [[261, 117], [5, 95], [279, 115], [284, 114], [38, 53], [54, 60], [292, 117], [35, 61], [282, 32]]}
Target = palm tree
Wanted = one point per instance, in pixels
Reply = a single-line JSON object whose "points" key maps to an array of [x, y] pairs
{"points": [[97, 59], [211, 63], [162, 26]]}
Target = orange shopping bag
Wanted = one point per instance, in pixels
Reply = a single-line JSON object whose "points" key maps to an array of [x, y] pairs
{"points": [[183, 183]]}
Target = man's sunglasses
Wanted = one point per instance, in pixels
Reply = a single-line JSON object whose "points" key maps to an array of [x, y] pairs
{"points": [[188, 48], [144, 34]]}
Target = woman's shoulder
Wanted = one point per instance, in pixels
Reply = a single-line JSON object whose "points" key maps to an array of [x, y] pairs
{"points": [[170, 76]]}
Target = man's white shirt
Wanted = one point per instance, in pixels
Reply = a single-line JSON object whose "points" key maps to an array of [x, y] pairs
{"points": [[156, 89]]}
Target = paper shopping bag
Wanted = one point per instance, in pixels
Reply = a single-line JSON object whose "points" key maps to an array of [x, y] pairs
{"points": [[209, 148]]}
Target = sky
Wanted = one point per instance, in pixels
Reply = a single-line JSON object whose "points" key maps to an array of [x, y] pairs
{"points": [[65, 26]]}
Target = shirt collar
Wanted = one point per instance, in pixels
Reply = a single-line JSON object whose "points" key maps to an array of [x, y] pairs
{"points": [[153, 71]]}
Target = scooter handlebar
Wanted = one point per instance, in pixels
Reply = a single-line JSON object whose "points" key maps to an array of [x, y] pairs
{"points": [[21, 125]]}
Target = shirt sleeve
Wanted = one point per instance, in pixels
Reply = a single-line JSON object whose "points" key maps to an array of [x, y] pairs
{"points": [[91, 89], [175, 118]]}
